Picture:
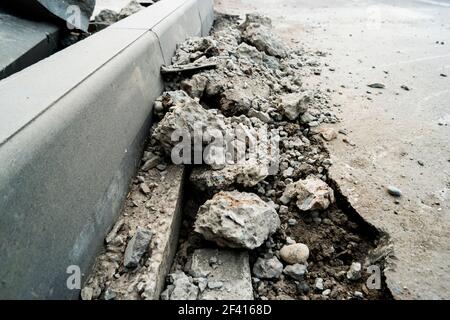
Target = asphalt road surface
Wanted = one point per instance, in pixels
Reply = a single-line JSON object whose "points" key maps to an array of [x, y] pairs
{"points": [[397, 137]]}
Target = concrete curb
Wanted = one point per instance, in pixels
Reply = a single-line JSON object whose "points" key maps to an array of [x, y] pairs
{"points": [[72, 129]]}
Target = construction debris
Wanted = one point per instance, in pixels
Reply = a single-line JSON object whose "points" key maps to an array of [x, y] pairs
{"points": [[260, 219], [236, 220], [310, 194]]}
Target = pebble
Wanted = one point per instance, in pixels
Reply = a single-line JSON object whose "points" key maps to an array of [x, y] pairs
{"points": [[295, 253], [268, 268], [144, 188], [87, 293], [354, 273], [151, 163], [295, 271], [284, 210], [406, 88], [136, 247], [292, 222], [326, 292], [289, 240], [215, 285], [376, 85], [161, 166], [318, 284], [303, 287], [394, 191]]}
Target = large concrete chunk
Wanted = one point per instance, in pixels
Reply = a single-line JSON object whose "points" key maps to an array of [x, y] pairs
{"points": [[227, 273], [236, 220], [24, 42], [257, 32], [310, 194]]}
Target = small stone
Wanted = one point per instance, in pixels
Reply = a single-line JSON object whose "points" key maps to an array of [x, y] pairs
{"points": [[293, 105], [394, 191], [406, 88], [183, 288], [144, 188], [358, 294], [295, 253], [376, 85], [328, 134], [354, 273], [283, 209], [303, 287], [326, 292], [109, 294], [150, 163], [107, 17], [202, 284], [214, 285], [292, 222], [289, 240], [268, 268], [318, 284], [161, 166], [87, 293], [295, 271], [136, 247]]}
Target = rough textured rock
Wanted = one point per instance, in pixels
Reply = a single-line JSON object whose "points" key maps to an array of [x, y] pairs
{"points": [[107, 17], [235, 102], [295, 253], [309, 194], [247, 175], [168, 100], [187, 117], [226, 273], [268, 268], [354, 273], [181, 288], [136, 247], [296, 271], [292, 105], [129, 9], [236, 220], [257, 32]]}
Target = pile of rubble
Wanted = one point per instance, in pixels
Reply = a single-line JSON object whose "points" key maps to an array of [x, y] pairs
{"points": [[107, 17], [257, 224]]}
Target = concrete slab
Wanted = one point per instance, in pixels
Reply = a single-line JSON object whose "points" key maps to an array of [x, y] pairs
{"points": [[24, 42], [227, 271]]}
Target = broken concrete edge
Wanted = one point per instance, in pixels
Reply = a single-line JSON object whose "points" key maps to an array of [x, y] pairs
{"points": [[37, 41], [72, 129], [368, 228], [162, 257]]}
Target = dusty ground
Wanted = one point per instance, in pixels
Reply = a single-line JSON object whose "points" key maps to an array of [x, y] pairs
{"points": [[396, 137]]}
